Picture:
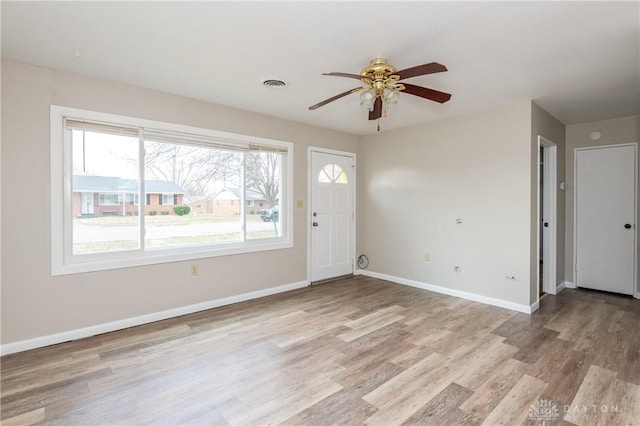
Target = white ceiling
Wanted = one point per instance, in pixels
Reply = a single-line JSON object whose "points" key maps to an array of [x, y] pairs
{"points": [[580, 61]]}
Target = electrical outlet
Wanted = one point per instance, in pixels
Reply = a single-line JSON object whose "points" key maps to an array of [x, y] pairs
{"points": [[427, 256], [298, 204], [194, 269]]}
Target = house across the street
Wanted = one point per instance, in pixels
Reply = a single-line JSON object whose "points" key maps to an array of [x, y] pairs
{"points": [[114, 196], [227, 202]]}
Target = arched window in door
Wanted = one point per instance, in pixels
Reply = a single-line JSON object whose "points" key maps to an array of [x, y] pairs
{"points": [[332, 173]]}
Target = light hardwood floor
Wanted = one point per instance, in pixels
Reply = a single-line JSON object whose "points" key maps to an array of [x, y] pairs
{"points": [[354, 351]]}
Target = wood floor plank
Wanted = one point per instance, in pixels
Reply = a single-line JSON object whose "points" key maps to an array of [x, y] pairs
{"points": [[443, 408], [480, 365], [585, 409], [395, 389], [341, 408], [288, 404], [371, 322], [487, 396], [622, 404], [514, 407], [571, 320], [21, 402], [564, 385], [400, 398], [28, 418], [364, 380]]}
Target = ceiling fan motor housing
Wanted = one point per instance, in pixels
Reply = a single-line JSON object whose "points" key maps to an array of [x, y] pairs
{"points": [[379, 70], [381, 75]]}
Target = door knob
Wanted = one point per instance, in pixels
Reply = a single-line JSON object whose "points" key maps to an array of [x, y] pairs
{"points": [[627, 226], [315, 223]]}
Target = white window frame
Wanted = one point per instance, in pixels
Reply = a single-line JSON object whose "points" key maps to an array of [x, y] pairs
{"points": [[62, 260], [170, 197]]}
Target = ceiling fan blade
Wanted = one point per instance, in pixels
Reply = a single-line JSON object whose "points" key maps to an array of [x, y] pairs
{"points": [[430, 68], [343, 94], [377, 109], [423, 92], [343, 74]]}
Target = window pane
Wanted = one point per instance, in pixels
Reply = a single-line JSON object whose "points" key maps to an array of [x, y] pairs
{"points": [[342, 177], [324, 177], [191, 195], [263, 171], [105, 176]]}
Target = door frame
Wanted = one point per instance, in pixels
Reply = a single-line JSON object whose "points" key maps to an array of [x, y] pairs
{"points": [[635, 291], [310, 178], [549, 197]]}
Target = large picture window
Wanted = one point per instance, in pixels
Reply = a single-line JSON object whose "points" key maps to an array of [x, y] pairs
{"points": [[200, 187]]}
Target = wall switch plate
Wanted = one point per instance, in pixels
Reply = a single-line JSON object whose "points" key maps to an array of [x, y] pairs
{"points": [[194, 269], [427, 256], [298, 204]]}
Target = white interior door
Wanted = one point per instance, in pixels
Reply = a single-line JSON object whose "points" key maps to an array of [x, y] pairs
{"points": [[332, 215], [605, 218], [548, 217]]}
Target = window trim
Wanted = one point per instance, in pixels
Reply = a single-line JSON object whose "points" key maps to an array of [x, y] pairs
{"points": [[62, 263]]}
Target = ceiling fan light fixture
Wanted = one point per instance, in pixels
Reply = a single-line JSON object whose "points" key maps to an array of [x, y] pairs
{"points": [[390, 96], [367, 98]]}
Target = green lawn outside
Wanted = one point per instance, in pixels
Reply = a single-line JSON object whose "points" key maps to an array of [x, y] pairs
{"points": [[168, 241]]}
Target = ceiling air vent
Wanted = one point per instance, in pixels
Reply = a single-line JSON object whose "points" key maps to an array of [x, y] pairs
{"points": [[273, 83]]}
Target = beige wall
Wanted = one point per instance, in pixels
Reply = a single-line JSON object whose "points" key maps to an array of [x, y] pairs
{"points": [[615, 131], [543, 124], [35, 304], [415, 182]]}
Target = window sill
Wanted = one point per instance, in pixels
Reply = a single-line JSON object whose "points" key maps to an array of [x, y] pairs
{"points": [[154, 257]]}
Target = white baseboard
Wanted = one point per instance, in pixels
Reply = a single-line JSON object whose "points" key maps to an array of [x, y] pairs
{"points": [[561, 287], [569, 284], [534, 307], [38, 342], [527, 309], [637, 295]]}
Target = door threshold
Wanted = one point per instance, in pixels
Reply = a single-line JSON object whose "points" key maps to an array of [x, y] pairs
{"points": [[332, 279]]}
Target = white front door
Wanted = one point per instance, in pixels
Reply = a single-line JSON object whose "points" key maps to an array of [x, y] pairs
{"points": [[87, 203], [332, 181], [605, 218]]}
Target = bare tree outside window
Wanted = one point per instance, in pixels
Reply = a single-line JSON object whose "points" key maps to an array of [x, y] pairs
{"points": [[196, 170], [263, 175]]}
